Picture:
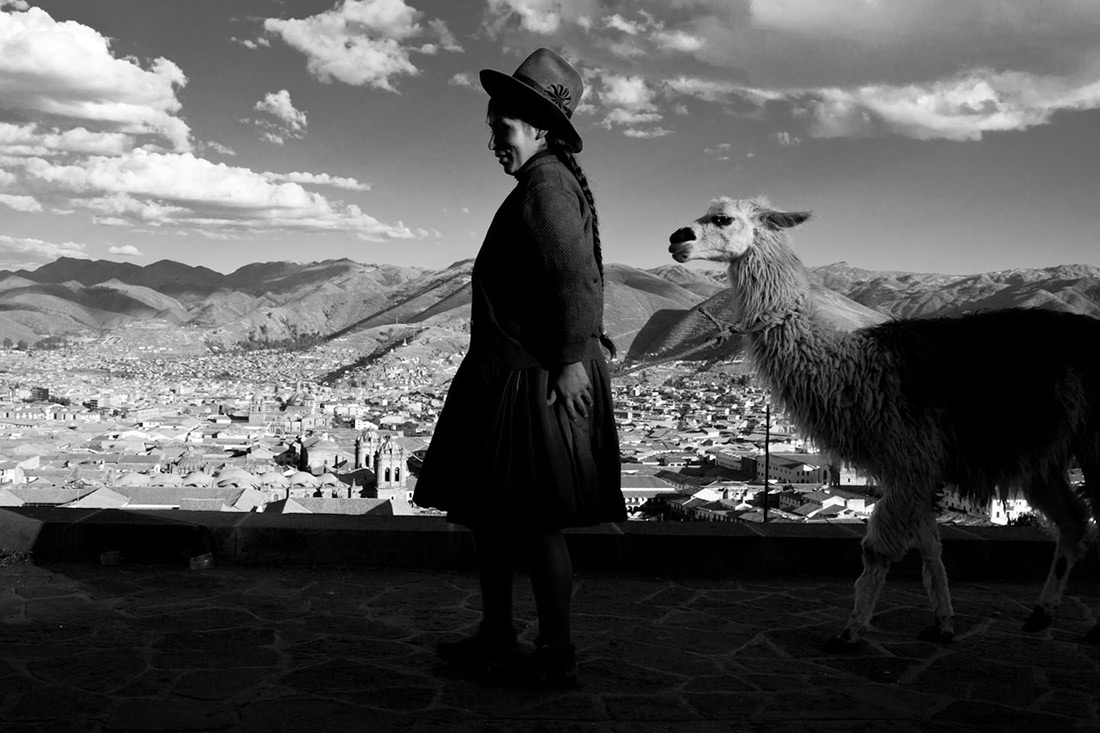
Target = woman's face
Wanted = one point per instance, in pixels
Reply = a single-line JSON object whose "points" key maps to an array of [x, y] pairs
{"points": [[513, 141]]}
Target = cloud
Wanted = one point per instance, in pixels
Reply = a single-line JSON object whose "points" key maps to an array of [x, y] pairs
{"points": [[218, 148], [320, 179], [647, 133], [619, 23], [20, 203], [85, 132], [446, 39], [961, 108], [622, 116], [34, 139], [629, 101], [181, 191], [125, 250], [360, 42], [289, 122], [925, 69], [461, 80], [66, 70], [22, 253], [250, 43], [537, 16], [677, 41]]}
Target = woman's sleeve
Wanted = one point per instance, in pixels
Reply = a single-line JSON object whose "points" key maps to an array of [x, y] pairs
{"points": [[565, 294]]}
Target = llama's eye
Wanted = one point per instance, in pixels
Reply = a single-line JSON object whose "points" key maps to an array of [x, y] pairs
{"points": [[722, 221]]}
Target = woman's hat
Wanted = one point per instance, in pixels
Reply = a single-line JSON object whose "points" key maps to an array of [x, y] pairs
{"points": [[546, 85]]}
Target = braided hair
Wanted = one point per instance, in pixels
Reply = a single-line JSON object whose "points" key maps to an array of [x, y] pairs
{"points": [[561, 150]]}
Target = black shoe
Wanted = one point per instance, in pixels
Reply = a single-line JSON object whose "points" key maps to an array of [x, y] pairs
{"points": [[481, 652], [552, 665]]}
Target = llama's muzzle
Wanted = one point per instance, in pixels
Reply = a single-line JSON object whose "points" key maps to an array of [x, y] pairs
{"points": [[681, 247]]}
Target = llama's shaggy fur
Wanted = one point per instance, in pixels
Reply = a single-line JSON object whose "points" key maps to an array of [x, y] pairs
{"points": [[998, 401]]}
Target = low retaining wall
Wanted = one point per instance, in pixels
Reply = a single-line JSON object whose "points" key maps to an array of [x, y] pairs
{"points": [[144, 537]]}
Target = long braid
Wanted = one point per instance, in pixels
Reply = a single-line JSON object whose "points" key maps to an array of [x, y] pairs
{"points": [[565, 155]]}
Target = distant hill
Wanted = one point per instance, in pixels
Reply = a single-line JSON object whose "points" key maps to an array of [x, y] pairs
{"points": [[648, 313], [1073, 288]]}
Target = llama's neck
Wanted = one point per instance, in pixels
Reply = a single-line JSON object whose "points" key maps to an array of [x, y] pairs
{"points": [[776, 309], [769, 283]]}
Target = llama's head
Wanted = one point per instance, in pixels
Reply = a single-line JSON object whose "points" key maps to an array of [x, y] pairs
{"points": [[729, 229]]}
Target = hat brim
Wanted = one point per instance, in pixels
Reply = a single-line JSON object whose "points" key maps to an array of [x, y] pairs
{"points": [[502, 86]]}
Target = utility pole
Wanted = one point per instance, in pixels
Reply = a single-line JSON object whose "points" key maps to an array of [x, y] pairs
{"points": [[767, 452]]}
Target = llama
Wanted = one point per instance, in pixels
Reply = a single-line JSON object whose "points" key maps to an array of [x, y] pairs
{"points": [[987, 402]]}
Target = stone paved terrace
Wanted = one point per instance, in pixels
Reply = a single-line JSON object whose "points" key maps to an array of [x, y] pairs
{"points": [[292, 647]]}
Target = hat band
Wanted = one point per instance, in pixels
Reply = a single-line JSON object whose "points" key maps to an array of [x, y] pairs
{"points": [[557, 93]]}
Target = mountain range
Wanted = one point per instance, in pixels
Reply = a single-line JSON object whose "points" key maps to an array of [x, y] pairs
{"points": [[652, 313]]}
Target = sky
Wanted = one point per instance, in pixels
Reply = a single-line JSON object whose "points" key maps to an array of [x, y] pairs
{"points": [[924, 135]]}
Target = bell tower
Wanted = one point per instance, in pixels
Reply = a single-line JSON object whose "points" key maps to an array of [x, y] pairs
{"points": [[391, 465]]}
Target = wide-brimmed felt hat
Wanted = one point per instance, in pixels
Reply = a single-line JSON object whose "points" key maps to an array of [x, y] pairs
{"points": [[547, 86]]}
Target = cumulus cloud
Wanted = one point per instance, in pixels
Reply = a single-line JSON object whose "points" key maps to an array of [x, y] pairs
{"points": [[320, 179], [20, 203], [67, 70], [927, 69], [34, 139], [23, 253], [537, 16], [124, 250], [619, 23], [179, 190], [461, 80], [628, 102], [361, 42], [86, 132], [961, 108], [288, 122]]}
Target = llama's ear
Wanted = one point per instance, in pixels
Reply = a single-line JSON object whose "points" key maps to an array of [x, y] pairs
{"points": [[783, 219]]}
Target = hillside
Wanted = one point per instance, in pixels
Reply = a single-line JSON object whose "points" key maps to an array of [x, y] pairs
{"points": [[648, 313], [1073, 288]]}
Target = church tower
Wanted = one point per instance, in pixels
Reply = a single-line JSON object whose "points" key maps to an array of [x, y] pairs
{"points": [[390, 465], [367, 444]]}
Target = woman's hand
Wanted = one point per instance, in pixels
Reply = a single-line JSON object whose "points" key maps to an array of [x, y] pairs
{"points": [[573, 389]]}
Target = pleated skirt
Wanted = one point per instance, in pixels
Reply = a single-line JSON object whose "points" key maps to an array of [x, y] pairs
{"points": [[502, 458]]}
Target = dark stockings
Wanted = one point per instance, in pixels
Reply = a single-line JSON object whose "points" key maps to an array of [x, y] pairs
{"points": [[551, 580], [496, 561]]}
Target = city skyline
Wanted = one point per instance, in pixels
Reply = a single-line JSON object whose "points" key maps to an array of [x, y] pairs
{"points": [[925, 137]]}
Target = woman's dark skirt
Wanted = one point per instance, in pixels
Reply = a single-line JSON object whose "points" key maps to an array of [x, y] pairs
{"points": [[501, 457]]}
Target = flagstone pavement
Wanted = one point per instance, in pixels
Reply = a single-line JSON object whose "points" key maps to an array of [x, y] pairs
{"points": [[269, 649]]}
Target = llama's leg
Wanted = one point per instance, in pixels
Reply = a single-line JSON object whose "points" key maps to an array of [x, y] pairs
{"points": [[935, 580], [889, 535], [1055, 499], [1089, 458]]}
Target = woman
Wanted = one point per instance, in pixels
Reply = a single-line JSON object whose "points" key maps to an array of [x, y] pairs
{"points": [[529, 410]]}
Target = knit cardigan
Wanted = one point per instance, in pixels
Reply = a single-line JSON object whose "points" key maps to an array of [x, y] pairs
{"points": [[537, 290]]}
